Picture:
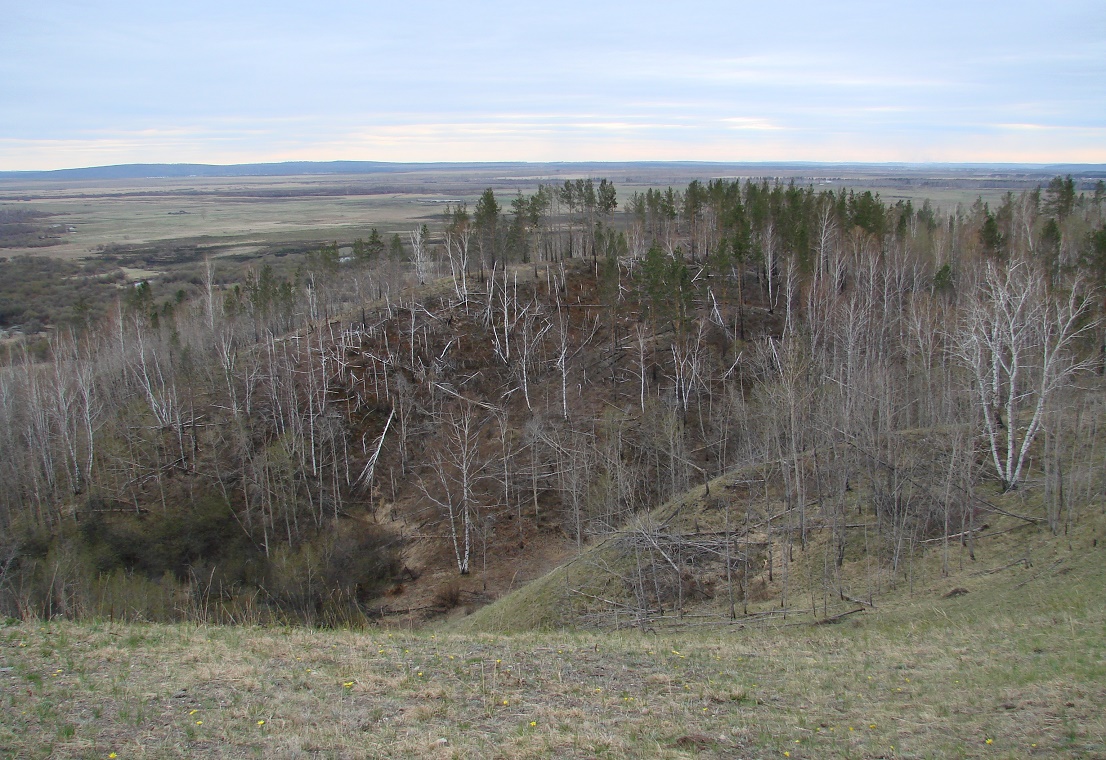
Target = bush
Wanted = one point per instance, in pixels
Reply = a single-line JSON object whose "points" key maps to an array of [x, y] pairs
{"points": [[328, 580]]}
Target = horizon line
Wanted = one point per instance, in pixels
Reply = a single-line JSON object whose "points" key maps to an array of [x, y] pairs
{"points": [[355, 166]]}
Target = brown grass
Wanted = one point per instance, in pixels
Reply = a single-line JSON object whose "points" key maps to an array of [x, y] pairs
{"points": [[1019, 660], [253, 211]]}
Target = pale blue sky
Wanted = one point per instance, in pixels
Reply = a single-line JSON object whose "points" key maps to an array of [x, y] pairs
{"points": [[92, 83]]}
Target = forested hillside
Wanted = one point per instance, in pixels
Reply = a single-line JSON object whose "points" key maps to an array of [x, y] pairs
{"points": [[429, 422]]}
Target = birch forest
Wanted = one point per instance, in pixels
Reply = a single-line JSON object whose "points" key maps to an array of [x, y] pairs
{"points": [[313, 444]]}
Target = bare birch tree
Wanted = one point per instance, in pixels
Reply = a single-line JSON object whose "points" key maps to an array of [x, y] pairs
{"points": [[456, 471], [1016, 339]]}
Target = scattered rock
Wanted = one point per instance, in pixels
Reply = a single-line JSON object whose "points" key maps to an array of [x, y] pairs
{"points": [[956, 592]]}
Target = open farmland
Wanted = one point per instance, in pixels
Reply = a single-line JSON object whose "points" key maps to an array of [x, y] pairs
{"points": [[247, 215]]}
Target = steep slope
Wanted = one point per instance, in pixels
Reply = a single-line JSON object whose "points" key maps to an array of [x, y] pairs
{"points": [[666, 570], [520, 413]]}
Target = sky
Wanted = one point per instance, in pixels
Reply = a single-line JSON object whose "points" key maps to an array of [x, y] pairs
{"points": [[124, 81]]}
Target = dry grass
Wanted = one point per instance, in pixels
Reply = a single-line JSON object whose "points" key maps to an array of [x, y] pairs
{"points": [[1020, 660], [259, 211], [209, 219]]}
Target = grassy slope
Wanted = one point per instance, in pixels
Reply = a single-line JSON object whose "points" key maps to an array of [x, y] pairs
{"points": [[590, 585], [1020, 660]]}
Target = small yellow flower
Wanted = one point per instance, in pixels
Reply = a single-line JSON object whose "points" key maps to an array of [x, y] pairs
{"points": [[992, 741], [533, 723], [112, 756], [786, 754], [199, 723], [261, 723], [193, 712], [506, 702], [873, 725]]}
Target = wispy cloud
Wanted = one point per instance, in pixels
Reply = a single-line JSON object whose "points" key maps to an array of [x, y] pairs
{"points": [[746, 123], [222, 82]]}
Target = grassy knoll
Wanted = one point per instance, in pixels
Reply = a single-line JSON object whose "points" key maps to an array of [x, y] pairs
{"points": [[1016, 667]]}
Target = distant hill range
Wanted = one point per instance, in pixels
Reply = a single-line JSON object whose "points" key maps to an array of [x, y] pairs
{"points": [[301, 168], [285, 169]]}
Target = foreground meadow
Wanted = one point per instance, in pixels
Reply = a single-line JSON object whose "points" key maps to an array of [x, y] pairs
{"points": [[1014, 668]]}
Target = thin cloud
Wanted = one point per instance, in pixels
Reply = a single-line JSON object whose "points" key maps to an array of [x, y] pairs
{"points": [[222, 82], [751, 124]]}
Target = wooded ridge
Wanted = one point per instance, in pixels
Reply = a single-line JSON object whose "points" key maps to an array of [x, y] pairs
{"points": [[424, 423]]}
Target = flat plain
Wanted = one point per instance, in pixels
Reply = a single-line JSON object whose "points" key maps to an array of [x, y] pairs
{"points": [[250, 215]]}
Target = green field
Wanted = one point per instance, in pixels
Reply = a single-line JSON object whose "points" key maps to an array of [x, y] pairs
{"points": [[1012, 664]]}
